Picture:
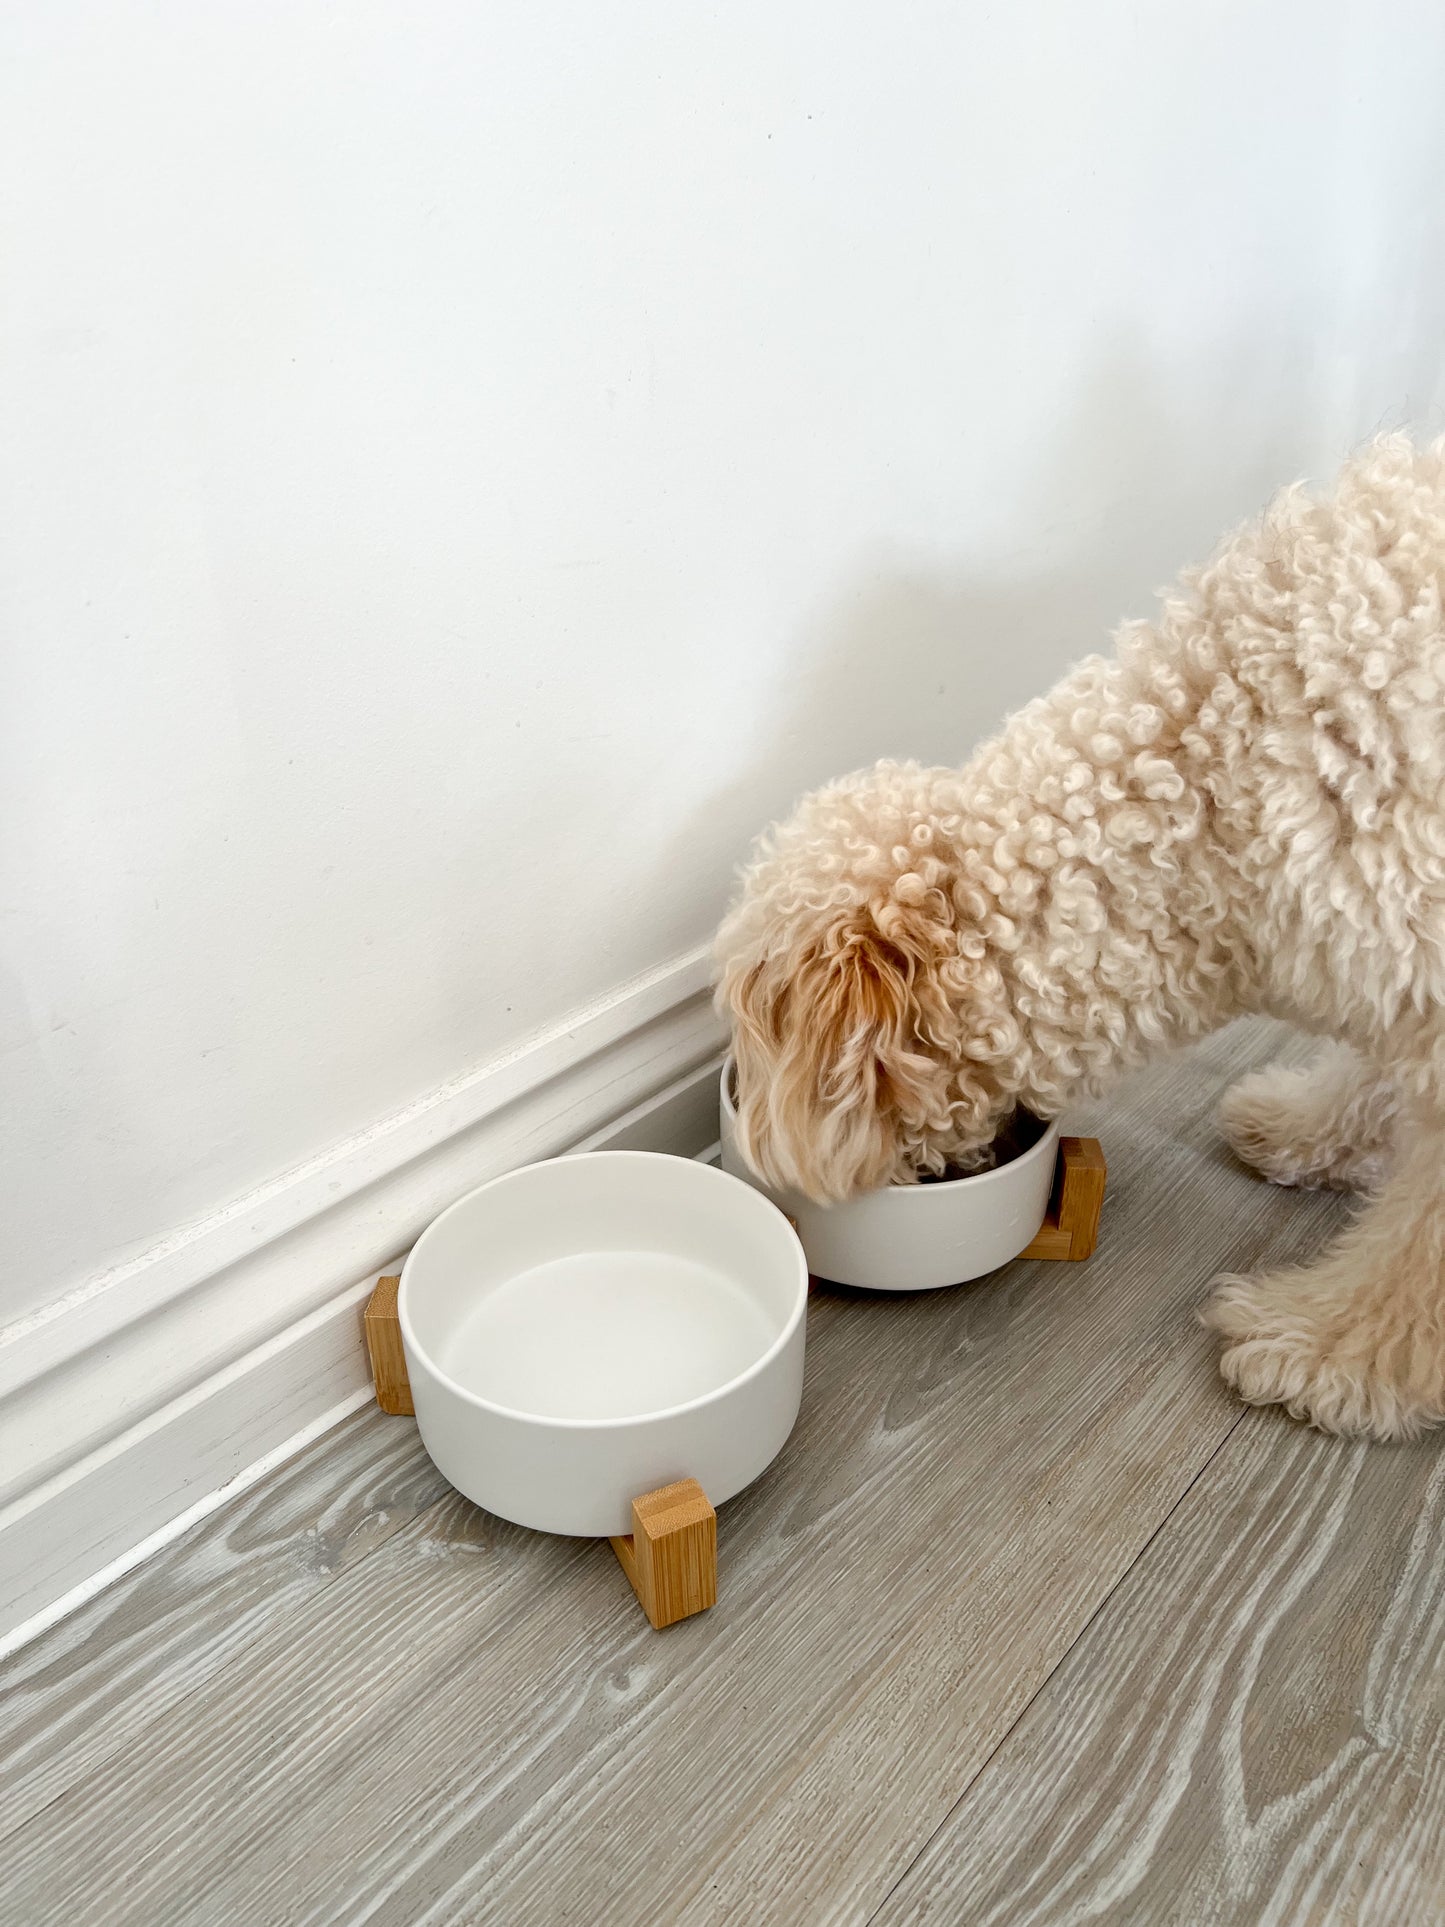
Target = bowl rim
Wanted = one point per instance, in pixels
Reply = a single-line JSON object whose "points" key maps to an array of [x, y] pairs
{"points": [[663, 1413], [939, 1187]]}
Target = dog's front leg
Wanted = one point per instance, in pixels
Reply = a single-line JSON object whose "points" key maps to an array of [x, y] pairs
{"points": [[1356, 1342], [1332, 1125]]}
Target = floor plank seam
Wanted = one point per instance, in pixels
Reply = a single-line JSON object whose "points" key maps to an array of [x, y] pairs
{"points": [[206, 1679], [1100, 1609]]}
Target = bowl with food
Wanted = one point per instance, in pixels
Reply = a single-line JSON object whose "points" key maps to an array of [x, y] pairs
{"points": [[920, 1237]]}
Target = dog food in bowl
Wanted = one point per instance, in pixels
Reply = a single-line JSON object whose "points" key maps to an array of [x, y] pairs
{"points": [[1020, 1133]]}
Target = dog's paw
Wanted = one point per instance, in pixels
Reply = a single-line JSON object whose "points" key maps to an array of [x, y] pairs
{"points": [[1337, 1374], [1280, 1122]]}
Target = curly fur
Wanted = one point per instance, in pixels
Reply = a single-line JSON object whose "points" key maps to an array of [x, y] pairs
{"points": [[1243, 809], [1331, 1127]]}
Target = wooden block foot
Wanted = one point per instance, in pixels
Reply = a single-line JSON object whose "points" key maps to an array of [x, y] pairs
{"points": [[1071, 1228], [670, 1556], [383, 1344]]}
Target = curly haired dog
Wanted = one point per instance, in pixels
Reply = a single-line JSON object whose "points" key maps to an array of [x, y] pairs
{"points": [[1242, 810]]}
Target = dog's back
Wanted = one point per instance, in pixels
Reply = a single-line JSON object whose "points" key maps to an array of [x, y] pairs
{"points": [[1316, 635]]}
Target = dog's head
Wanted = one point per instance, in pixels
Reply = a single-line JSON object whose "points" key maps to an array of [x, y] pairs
{"points": [[846, 979]]}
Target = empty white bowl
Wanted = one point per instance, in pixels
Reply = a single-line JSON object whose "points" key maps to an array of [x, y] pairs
{"points": [[583, 1331], [914, 1237]]}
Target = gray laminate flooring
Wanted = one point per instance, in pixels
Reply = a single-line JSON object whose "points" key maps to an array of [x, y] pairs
{"points": [[1030, 1623]]}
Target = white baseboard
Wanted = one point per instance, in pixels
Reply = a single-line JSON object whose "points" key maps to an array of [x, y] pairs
{"points": [[133, 1405]]}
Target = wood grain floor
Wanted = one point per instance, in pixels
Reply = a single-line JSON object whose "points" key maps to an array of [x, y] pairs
{"points": [[1030, 1623]]}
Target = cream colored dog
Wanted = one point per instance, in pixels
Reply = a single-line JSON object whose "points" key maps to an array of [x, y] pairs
{"points": [[1242, 810]]}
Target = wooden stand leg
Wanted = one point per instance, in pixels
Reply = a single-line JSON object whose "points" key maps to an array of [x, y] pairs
{"points": [[1071, 1228], [671, 1555], [383, 1344]]}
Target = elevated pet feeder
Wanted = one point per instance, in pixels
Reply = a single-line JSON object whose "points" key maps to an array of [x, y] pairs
{"points": [[1044, 1202], [606, 1345], [609, 1345]]}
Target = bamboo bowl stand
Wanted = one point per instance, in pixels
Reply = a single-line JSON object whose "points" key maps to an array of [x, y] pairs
{"points": [[670, 1556]]}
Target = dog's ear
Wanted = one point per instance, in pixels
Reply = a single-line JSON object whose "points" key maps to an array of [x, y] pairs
{"points": [[837, 1048]]}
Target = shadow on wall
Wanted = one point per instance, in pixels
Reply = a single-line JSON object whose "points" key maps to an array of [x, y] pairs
{"points": [[913, 660]]}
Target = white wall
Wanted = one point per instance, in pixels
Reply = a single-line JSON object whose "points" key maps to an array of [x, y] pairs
{"points": [[465, 467]]}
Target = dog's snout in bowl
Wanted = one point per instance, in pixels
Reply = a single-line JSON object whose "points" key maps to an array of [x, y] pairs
{"points": [[916, 1237]]}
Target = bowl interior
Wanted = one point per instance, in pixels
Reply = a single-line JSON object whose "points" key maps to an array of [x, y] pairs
{"points": [[605, 1287]]}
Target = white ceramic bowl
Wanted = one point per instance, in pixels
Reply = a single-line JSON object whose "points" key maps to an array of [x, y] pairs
{"points": [[582, 1331], [914, 1237]]}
